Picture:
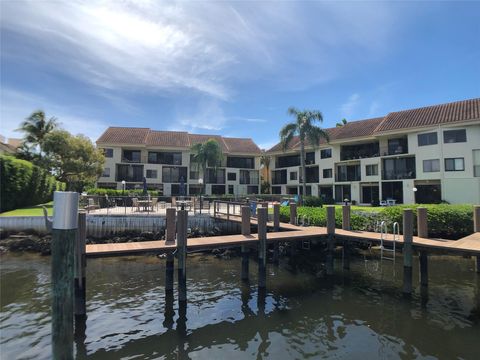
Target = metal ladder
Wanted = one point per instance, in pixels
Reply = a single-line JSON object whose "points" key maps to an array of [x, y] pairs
{"points": [[390, 253], [305, 243]]}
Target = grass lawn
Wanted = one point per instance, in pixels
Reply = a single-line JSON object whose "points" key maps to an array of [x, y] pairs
{"points": [[30, 211]]}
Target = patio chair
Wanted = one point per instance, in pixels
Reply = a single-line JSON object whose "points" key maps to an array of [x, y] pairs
{"points": [[135, 204], [154, 203]]}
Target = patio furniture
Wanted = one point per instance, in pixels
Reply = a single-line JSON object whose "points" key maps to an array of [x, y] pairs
{"points": [[135, 204], [154, 204], [91, 205]]}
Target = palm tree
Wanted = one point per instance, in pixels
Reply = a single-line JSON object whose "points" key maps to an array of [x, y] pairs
{"points": [[304, 126], [36, 127], [265, 162], [342, 123], [207, 154]]}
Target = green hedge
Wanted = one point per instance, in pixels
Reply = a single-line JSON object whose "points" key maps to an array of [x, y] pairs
{"points": [[114, 192], [24, 184], [444, 221]]}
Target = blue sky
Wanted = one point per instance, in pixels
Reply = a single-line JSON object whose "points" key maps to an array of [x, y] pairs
{"points": [[231, 68]]}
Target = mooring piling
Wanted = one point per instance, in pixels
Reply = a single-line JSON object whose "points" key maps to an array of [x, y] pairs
{"points": [[182, 254], [331, 238], [80, 265], [246, 212], [346, 246], [422, 229], [64, 232], [293, 213], [171, 225], [262, 214], [276, 228], [170, 238], [407, 250]]}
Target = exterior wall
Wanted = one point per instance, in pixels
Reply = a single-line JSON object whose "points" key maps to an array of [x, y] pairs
{"points": [[111, 163], [456, 186]]}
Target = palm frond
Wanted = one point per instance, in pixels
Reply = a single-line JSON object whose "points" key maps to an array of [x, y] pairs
{"points": [[287, 133]]}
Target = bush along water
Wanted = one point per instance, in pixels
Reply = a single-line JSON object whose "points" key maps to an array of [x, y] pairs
{"points": [[444, 221]]}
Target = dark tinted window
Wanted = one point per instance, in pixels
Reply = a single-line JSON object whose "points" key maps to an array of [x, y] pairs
{"points": [[287, 161], [455, 136], [310, 158], [168, 158], [232, 176], [454, 164], [174, 174], [240, 162], [325, 153], [108, 153], [327, 173], [427, 139]]}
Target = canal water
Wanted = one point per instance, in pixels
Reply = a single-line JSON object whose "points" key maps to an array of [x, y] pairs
{"points": [[360, 314]]}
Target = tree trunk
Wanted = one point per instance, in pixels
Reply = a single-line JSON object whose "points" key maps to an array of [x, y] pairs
{"points": [[204, 185], [303, 170]]}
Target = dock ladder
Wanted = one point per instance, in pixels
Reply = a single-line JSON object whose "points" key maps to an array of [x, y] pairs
{"points": [[388, 253]]}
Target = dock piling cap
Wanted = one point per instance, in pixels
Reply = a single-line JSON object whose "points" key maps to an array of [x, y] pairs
{"points": [[65, 210]]}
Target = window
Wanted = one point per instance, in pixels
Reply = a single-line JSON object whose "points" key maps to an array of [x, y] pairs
{"points": [[427, 139], [252, 189], [168, 158], [277, 190], [371, 170], [152, 174], [106, 172], [194, 175], [231, 176], [342, 193], [359, 151], [230, 189], [431, 165], [240, 162], [279, 177], [454, 136], [312, 174], [218, 189], [348, 173], [293, 175], [327, 173], [476, 163], [108, 153], [248, 177], [216, 176], [131, 156], [400, 168], [129, 173], [287, 161], [454, 164], [174, 174], [310, 158], [325, 153], [398, 146]]}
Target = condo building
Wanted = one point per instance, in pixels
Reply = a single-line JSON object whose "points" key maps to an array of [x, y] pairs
{"points": [[423, 155], [164, 159]]}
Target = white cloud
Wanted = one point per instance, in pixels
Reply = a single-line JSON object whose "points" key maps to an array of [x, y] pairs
{"points": [[16, 106], [267, 144], [207, 48], [348, 108], [374, 108], [207, 116]]}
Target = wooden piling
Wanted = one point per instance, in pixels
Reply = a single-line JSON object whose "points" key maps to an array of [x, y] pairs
{"points": [[80, 265], [346, 246], [182, 254], [245, 250], [171, 225], [422, 223], [262, 214], [276, 228], [169, 271], [64, 232], [423, 260], [293, 213], [331, 238], [407, 250]]}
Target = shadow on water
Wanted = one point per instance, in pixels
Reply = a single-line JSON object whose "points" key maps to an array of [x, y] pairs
{"points": [[356, 313]]}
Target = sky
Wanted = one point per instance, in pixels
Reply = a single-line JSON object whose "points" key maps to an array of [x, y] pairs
{"points": [[231, 68]]}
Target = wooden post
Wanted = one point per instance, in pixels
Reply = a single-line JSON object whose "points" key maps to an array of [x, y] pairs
{"points": [[407, 250], [182, 254], [64, 231], [245, 250], [346, 245], [293, 213], [423, 260], [262, 214], [80, 265], [169, 271], [331, 238], [276, 228], [422, 223], [171, 226], [228, 210]]}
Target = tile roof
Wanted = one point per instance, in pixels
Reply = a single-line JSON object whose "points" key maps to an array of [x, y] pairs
{"points": [[431, 115], [176, 139], [459, 111]]}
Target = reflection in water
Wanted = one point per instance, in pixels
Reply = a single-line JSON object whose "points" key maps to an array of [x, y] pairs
{"points": [[352, 314]]}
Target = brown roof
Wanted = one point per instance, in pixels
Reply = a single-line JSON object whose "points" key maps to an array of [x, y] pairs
{"points": [[124, 135], [458, 111], [178, 139], [431, 115]]}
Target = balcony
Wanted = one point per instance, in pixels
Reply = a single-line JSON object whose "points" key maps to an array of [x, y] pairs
{"points": [[359, 151], [397, 146], [347, 173], [249, 177], [399, 168], [215, 176], [132, 156], [129, 173]]}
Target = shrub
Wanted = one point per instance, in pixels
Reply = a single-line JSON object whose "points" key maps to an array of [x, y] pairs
{"points": [[444, 221], [313, 201], [114, 192], [24, 184]]}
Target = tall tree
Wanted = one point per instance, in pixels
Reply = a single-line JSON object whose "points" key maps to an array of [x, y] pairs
{"points": [[73, 159], [304, 127], [36, 127], [265, 161], [207, 154], [342, 123]]}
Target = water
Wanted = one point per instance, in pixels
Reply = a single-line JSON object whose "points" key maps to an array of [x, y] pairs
{"points": [[359, 314]]}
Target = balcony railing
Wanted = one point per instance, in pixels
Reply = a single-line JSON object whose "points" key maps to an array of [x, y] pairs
{"points": [[394, 175]]}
